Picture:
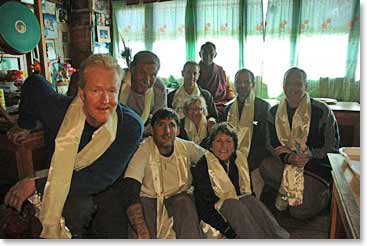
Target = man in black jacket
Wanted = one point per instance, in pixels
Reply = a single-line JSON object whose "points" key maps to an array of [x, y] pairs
{"points": [[302, 131]]}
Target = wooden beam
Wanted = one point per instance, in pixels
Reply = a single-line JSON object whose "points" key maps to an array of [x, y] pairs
{"points": [[42, 42]]}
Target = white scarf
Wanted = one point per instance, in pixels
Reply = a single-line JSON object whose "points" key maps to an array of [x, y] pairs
{"points": [[179, 99], [196, 135], [221, 183], [66, 159], [148, 96], [244, 126], [292, 185], [164, 223]]}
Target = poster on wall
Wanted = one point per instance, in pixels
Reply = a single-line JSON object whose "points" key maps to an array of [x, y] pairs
{"points": [[101, 6], [100, 19], [50, 26], [48, 7], [62, 15], [103, 34], [50, 47]]}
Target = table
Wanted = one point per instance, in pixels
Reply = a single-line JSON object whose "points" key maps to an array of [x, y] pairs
{"points": [[23, 152], [347, 115], [345, 210]]}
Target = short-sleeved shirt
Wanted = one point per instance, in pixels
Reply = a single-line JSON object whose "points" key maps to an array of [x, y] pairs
{"points": [[184, 155]]}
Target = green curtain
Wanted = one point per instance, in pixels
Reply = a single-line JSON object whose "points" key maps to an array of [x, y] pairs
{"points": [[320, 36], [159, 27], [190, 30], [311, 29]]}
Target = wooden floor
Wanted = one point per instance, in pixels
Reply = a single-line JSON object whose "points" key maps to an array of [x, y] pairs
{"points": [[315, 228]]}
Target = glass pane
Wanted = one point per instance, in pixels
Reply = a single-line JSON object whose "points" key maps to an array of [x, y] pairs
{"points": [[9, 63]]}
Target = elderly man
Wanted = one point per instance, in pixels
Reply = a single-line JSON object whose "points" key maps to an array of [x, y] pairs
{"points": [[249, 115], [94, 139], [213, 78], [141, 89], [302, 132], [190, 88], [157, 182]]}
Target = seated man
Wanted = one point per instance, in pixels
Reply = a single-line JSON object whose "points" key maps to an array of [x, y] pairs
{"points": [[213, 78], [302, 132], [190, 88], [249, 115], [157, 182], [141, 89], [94, 139]]}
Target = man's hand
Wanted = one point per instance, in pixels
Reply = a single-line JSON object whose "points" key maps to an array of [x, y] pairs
{"points": [[211, 122], [282, 149], [19, 193], [298, 160], [136, 217], [17, 135]]}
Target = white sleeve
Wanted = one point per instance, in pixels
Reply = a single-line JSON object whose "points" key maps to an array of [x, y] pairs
{"points": [[195, 152], [136, 167]]}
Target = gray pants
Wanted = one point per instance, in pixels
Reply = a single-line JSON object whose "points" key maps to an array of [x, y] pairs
{"points": [[316, 194], [249, 218], [182, 208]]}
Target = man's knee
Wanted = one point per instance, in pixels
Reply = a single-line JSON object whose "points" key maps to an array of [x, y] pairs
{"points": [[271, 170], [185, 219], [230, 205], [316, 198], [182, 202], [78, 213]]}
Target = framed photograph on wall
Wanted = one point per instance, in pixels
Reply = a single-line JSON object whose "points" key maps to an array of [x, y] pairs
{"points": [[50, 25], [100, 6], [100, 19], [50, 47], [103, 34], [107, 20]]}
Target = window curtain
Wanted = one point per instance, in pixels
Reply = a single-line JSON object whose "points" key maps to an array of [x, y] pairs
{"points": [[321, 37], [159, 27], [236, 28]]}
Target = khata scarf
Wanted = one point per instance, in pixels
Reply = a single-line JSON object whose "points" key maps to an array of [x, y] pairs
{"points": [[221, 184], [164, 222], [196, 135], [66, 159], [148, 96], [244, 126], [180, 96], [292, 185]]}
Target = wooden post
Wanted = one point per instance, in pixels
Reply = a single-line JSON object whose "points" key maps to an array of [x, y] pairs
{"points": [[42, 43]]}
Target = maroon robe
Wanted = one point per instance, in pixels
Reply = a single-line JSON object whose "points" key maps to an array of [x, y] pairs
{"points": [[214, 79]]}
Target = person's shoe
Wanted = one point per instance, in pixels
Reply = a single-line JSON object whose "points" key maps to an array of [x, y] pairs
{"points": [[281, 202]]}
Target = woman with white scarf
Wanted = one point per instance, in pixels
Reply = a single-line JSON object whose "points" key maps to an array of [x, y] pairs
{"points": [[223, 192], [194, 126]]}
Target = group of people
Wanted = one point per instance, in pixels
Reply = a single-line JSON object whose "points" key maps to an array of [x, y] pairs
{"points": [[124, 165]]}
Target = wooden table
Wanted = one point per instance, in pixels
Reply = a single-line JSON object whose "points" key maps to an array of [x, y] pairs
{"points": [[23, 152], [347, 115], [345, 210]]}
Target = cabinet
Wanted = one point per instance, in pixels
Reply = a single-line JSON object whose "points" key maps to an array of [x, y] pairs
{"points": [[347, 115], [345, 210]]}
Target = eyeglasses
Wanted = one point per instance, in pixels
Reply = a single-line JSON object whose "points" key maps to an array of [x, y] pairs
{"points": [[195, 110]]}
